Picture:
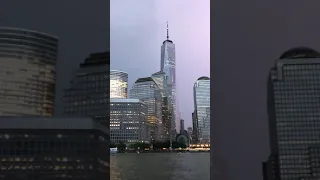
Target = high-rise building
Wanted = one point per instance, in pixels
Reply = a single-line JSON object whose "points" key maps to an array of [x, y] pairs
{"points": [[88, 95], [201, 91], [128, 121], [148, 91], [160, 79], [28, 72], [195, 127], [118, 84], [190, 131], [53, 148], [168, 66], [181, 125], [293, 111]]}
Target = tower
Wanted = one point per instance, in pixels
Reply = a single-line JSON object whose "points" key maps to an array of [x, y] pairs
{"points": [[168, 66]]}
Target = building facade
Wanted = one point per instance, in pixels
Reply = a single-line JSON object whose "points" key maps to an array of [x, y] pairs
{"points": [[293, 110], [160, 79], [201, 92], [128, 121], [88, 95], [168, 66], [53, 148], [147, 90], [189, 130], [118, 84], [181, 125], [28, 72]]}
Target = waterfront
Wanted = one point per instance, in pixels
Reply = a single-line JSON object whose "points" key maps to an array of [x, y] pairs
{"points": [[159, 166]]}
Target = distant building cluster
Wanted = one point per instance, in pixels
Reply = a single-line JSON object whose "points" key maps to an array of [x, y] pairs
{"points": [[148, 113], [158, 93]]}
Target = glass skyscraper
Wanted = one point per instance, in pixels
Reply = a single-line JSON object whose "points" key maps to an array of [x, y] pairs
{"points": [[168, 66], [88, 95], [118, 84], [128, 121], [201, 92], [160, 79], [148, 91], [28, 72], [294, 116]]}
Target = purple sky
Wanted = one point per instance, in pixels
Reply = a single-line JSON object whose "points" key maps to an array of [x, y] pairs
{"points": [[138, 29]]}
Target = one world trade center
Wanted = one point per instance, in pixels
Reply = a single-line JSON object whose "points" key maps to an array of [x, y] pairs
{"points": [[168, 66]]}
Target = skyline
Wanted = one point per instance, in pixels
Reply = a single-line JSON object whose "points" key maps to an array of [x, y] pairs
{"points": [[138, 34]]}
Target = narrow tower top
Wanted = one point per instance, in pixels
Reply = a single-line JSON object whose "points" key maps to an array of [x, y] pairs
{"points": [[167, 30], [167, 40]]}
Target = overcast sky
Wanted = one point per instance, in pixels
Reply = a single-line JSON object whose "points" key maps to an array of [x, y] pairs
{"points": [[138, 29]]}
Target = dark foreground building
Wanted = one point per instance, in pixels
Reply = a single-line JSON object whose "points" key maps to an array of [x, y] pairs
{"points": [[40, 148], [294, 117]]}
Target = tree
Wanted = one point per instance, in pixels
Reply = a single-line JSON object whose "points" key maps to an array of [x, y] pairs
{"points": [[121, 146], [112, 145]]}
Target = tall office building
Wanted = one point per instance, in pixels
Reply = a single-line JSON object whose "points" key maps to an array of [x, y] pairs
{"points": [[160, 79], [168, 66], [181, 125], [148, 91], [53, 148], [190, 131], [128, 121], [293, 110], [118, 84], [201, 92], [28, 72], [88, 95], [195, 128]]}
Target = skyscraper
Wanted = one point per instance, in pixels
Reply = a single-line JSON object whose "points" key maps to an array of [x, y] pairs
{"points": [[160, 79], [168, 66], [181, 125], [148, 91], [28, 72], [201, 92], [88, 95], [293, 110], [189, 131], [118, 84]]}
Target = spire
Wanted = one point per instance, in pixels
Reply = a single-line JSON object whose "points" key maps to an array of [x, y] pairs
{"points": [[167, 31]]}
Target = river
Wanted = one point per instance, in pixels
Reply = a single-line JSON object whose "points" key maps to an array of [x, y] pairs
{"points": [[160, 166]]}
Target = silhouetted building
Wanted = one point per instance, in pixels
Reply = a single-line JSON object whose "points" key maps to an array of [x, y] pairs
{"points": [[190, 131], [41, 148], [195, 127], [88, 95], [148, 91], [128, 121], [28, 72], [118, 84], [181, 125], [201, 92], [293, 110]]}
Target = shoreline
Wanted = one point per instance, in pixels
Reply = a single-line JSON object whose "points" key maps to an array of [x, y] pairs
{"points": [[161, 152]]}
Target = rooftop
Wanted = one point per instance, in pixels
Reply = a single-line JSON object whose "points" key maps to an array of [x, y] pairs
{"points": [[63, 123]]}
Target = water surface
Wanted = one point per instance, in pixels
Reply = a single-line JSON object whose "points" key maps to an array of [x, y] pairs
{"points": [[160, 166]]}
